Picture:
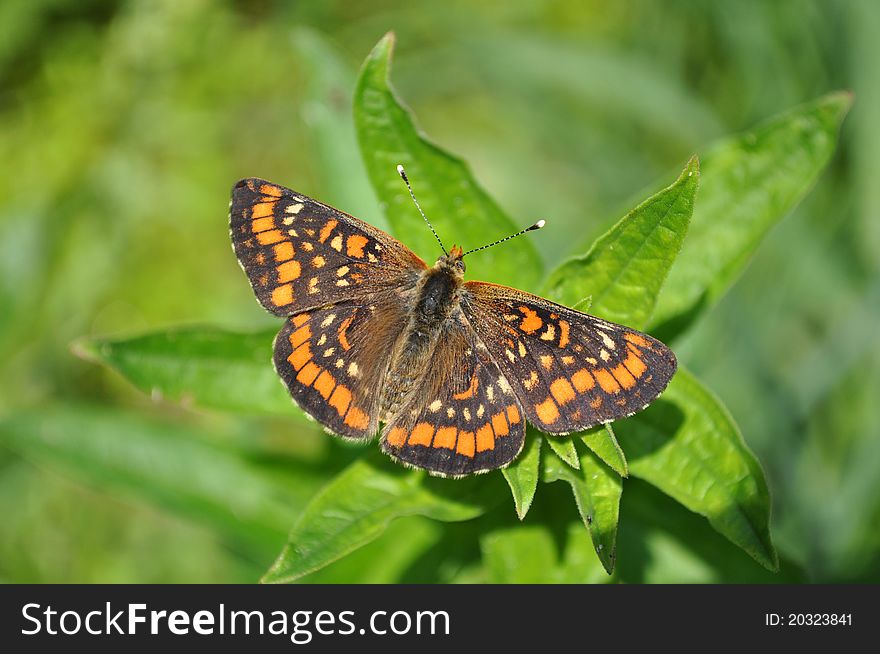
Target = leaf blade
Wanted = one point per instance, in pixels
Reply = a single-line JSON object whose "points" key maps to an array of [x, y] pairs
{"points": [[358, 504], [687, 445], [522, 475], [447, 191], [625, 268], [604, 444], [749, 183]]}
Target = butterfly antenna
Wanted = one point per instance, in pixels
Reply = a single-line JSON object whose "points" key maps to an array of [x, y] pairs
{"points": [[402, 173], [537, 225]]}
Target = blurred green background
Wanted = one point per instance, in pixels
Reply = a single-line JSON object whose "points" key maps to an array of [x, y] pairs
{"points": [[124, 124]]}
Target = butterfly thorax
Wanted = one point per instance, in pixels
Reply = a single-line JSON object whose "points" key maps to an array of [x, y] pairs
{"points": [[434, 310]]}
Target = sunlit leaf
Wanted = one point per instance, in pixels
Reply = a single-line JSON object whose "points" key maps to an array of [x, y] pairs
{"points": [[522, 474], [687, 445], [604, 444], [749, 183], [359, 503], [458, 207]]}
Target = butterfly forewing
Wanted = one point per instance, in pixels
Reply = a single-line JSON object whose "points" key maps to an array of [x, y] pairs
{"points": [[299, 253], [464, 418], [570, 370]]}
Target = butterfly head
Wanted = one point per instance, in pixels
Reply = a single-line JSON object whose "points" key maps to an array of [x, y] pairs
{"points": [[452, 263]]}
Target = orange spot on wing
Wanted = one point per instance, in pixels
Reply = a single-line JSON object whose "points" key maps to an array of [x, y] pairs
{"points": [[623, 376], [268, 189], [596, 402], [512, 414], [563, 333], [397, 436], [307, 375], [421, 434], [445, 437], [288, 271], [301, 335], [326, 229], [546, 361], [357, 418], [607, 381], [547, 411], [270, 237], [300, 319], [282, 295], [262, 210], [485, 438], [583, 380], [300, 355], [341, 335], [562, 391], [466, 444], [636, 339], [635, 364], [531, 322], [340, 399], [354, 246], [499, 425], [325, 384], [262, 224], [469, 392], [284, 251]]}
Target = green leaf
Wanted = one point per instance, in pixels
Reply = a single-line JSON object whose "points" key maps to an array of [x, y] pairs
{"points": [[604, 444], [626, 267], [529, 555], [687, 445], [359, 503], [458, 207], [661, 542], [749, 183], [563, 446], [522, 474], [597, 492], [165, 465], [204, 366]]}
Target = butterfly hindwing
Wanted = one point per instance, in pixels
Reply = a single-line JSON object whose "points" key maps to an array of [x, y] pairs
{"points": [[463, 418], [570, 370], [333, 361], [299, 253]]}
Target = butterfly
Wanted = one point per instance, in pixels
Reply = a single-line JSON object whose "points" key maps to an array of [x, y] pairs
{"points": [[452, 369]]}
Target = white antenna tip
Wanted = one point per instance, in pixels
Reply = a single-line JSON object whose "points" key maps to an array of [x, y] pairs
{"points": [[540, 224], [400, 169]]}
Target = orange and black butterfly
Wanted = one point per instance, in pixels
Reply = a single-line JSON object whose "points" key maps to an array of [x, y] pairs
{"points": [[453, 369]]}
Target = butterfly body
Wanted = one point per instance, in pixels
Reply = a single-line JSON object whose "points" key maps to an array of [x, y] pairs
{"points": [[453, 368]]}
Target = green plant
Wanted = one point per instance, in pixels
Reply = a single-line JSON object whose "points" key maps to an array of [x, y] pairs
{"points": [[384, 518]]}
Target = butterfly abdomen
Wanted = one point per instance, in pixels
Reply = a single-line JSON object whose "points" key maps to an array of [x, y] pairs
{"points": [[436, 302]]}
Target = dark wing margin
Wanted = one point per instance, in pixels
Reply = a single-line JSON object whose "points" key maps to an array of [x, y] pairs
{"points": [[570, 370], [300, 254]]}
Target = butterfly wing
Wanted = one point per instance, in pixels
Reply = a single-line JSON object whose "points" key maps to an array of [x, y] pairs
{"points": [[333, 361], [301, 254], [570, 370], [462, 416]]}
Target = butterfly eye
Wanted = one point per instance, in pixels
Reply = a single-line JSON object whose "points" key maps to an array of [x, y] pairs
{"points": [[459, 266]]}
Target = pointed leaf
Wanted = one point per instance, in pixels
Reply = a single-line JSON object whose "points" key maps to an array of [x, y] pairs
{"points": [[626, 267], [458, 207], [597, 491], [604, 444], [563, 446], [522, 474], [749, 183], [687, 445], [359, 503], [204, 366]]}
